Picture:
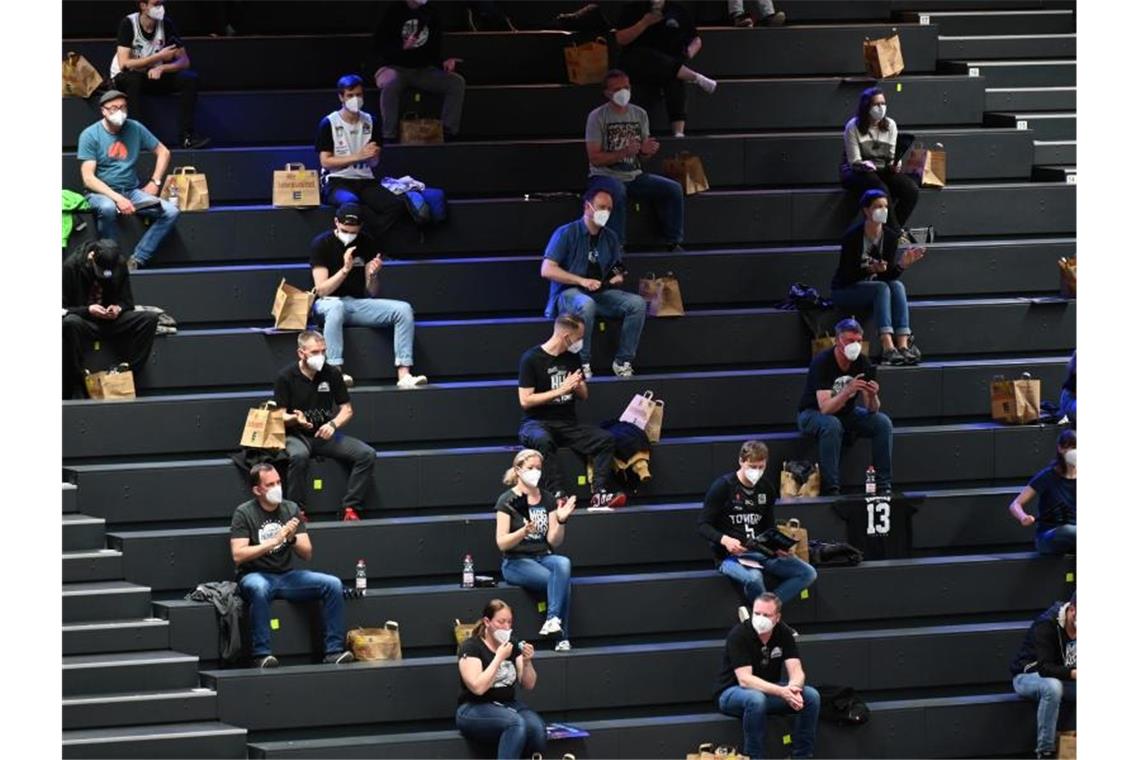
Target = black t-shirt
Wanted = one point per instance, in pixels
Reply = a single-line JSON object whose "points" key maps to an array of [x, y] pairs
{"points": [[327, 251], [503, 687], [543, 372], [737, 510], [744, 647], [671, 35], [259, 526], [317, 398], [1056, 499], [878, 526], [535, 544], [125, 37], [593, 268], [824, 374], [423, 24]]}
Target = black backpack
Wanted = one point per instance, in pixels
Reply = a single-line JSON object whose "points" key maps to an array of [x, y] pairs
{"points": [[842, 705], [830, 554]]}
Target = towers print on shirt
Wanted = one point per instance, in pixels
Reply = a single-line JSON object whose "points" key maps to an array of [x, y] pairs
{"points": [[747, 520]]}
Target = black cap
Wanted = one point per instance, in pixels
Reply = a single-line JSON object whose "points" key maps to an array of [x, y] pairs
{"points": [[348, 213], [106, 257], [110, 95]]}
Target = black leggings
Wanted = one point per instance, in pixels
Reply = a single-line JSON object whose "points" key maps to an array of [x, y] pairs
{"points": [[586, 440], [652, 72], [901, 190], [185, 83]]}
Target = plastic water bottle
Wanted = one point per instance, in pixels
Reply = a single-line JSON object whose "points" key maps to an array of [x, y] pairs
{"points": [[468, 572], [871, 488], [361, 577]]}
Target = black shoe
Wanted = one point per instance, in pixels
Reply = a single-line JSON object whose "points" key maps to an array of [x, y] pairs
{"points": [[266, 662], [911, 353], [191, 141], [674, 248], [339, 658], [830, 491], [893, 357], [776, 19]]}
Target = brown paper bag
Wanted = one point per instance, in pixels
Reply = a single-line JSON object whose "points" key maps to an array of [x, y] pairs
{"points": [[883, 57], [687, 170], [193, 192], [291, 307], [790, 488], [587, 63], [116, 383], [417, 131], [372, 644], [792, 529], [80, 78], [706, 752], [264, 427], [1066, 745], [296, 187], [1068, 267], [927, 166], [1015, 402], [463, 631], [663, 295]]}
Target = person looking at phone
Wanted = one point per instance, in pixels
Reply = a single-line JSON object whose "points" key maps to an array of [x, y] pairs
{"points": [[551, 381], [150, 57], [529, 524], [739, 508], [869, 161], [491, 663], [871, 262], [841, 396]]}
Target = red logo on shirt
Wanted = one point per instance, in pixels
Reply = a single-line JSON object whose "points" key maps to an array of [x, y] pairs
{"points": [[117, 151]]}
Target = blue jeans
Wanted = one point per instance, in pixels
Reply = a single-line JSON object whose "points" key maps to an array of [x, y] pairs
{"points": [[551, 574], [1069, 407], [611, 304], [1059, 540], [1049, 692], [828, 430], [753, 706], [259, 589], [665, 194], [518, 729], [889, 299], [795, 575], [162, 219], [366, 312]]}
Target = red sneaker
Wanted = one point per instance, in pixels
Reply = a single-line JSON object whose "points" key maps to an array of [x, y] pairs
{"points": [[349, 514]]}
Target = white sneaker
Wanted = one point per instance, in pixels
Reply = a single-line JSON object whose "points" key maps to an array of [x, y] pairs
{"points": [[678, 134], [706, 84], [551, 626], [348, 381], [562, 646], [587, 372], [742, 613], [411, 381], [625, 369]]}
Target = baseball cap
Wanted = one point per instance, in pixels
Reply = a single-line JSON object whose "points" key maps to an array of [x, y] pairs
{"points": [[348, 213]]}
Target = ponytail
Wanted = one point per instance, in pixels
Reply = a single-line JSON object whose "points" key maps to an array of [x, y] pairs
{"points": [[511, 476], [493, 608]]}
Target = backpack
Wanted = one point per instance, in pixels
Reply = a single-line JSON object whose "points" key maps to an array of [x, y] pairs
{"points": [[829, 554], [842, 705]]}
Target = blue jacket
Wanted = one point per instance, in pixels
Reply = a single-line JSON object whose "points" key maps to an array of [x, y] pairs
{"points": [[569, 247]]}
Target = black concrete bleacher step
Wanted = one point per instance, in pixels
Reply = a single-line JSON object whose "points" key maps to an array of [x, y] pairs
{"points": [[717, 278], [128, 672], [1031, 99], [1045, 126], [82, 532], [635, 675], [713, 218], [1042, 73], [978, 22], [783, 159], [70, 498], [290, 117], [133, 635], [92, 565], [168, 740], [1007, 46], [104, 600], [999, 724], [139, 708], [682, 467], [1055, 152], [1056, 173]]}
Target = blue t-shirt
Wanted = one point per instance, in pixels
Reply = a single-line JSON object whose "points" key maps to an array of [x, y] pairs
{"points": [[115, 155], [1056, 499]]}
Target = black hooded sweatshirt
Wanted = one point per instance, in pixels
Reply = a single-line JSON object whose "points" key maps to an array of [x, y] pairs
{"points": [[79, 276], [1044, 648]]}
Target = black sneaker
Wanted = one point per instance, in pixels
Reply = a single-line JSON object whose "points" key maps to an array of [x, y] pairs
{"points": [[776, 19], [830, 491], [674, 248], [911, 353], [893, 357], [266, 662], [339, 658], [191, 141]]}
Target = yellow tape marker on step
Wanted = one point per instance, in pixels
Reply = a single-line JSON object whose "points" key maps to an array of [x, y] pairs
{"points": [[581, 480], [601, 327], [274, 623], [787, 738], [97, 346], [318, 484], [805, 594], [1070, 577], [898, 86], [542, 606]]}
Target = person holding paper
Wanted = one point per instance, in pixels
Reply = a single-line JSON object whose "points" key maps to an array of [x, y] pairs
{"points": [[871, 261], [529, 525], [738, 509], [870, 161]]}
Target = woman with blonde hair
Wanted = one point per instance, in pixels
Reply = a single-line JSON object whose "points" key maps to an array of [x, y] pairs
{"points": [[528, 526]]}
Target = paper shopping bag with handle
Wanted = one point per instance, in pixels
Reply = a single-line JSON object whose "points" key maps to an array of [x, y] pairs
{"points": [[926, 166], [419, 131], [587, 63], [662, 295], [193, 192], [296, 187], [264, 427], [883, 57], [1015, 402], [291, 307], [80, 78], [115, 383], [463, 631], [372, 644], [687, 169], [1068, 267], [647, 413], [707, 752], [792, 529]]}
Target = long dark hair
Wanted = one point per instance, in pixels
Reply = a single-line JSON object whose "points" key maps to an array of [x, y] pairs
{"points": [[1066, 440], [494, 607], [863, 111]]}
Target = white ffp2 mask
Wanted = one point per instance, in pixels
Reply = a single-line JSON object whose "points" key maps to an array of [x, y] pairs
{"points": [[531, 477], [353, 104], [879, 215], [316, 363], [621, 97], [601, 216], [273, 495], [502, 635], [753, 474], [878, 112], [852, 350], [762, 624]]}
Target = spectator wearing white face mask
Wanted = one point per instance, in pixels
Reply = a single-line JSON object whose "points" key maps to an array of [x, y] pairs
{"points": [[1055, 488], [529, 525], [869, 160], [583, 262]]}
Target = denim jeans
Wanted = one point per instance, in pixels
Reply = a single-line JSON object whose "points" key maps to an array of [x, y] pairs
{"points": [[828, 430], [366, 312], [1069, 407], [665, 194], [753, 706], [1049, 692], [889, 299], [1059, 540], [259, 589], [795, 575], [550, 573], [611, 304], [518, 729], [162, 219]]}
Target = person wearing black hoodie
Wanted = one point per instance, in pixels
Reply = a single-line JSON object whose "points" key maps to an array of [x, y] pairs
{"points": [[1045, 668], [98, 305]]}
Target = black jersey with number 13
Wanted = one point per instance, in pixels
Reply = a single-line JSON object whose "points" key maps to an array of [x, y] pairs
{"points": [[877, 526]]}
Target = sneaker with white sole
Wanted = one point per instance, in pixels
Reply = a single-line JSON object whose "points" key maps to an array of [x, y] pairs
{"points": [[265, 662], [411, 381], [348, 380], [339, 658], [551, 626], [587, 372], [742, 613], [706, 84], [562, 646], [605, 501], [625, 369]]}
